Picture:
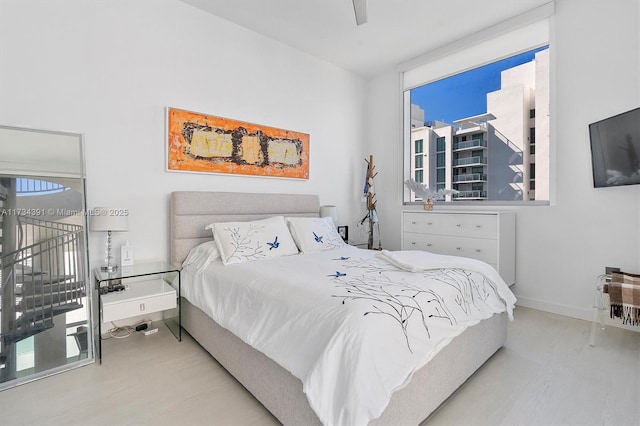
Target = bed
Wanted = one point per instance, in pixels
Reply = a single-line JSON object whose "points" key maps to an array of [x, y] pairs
{"points": [[280, 391]]}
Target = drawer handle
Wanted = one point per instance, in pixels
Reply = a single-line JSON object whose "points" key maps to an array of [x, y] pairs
{"points": [[429, 223], [478, 250], [413, 223], [413, 243], [458, 248], [478, 226], [459, 225], [429, 245], [142, 307]]}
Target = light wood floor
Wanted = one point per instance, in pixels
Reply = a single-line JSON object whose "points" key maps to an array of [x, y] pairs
{"points": [[545, 375]]}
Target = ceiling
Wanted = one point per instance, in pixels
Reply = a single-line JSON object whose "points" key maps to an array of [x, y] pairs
{"points": [[395, 31]]}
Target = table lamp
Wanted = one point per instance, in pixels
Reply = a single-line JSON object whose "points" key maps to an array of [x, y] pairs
{"points": [[109, 220]]}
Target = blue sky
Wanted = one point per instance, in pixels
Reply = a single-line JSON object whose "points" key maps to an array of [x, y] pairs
{"points": [[464, 95]]}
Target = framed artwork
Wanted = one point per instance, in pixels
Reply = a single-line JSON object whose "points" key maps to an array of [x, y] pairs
{"points": [[343, 231], [204, 143]]}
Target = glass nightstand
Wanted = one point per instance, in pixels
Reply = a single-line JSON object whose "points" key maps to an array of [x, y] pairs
{"points": [[139, 289]]}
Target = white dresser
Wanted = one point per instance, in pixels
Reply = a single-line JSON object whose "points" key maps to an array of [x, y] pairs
{"points": [[489, 236]]}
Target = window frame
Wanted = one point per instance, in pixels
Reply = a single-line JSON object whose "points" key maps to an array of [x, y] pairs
{"points": [[531, 30]]}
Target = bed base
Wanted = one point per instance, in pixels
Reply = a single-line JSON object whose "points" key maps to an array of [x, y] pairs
{"points": [[281, 393]]}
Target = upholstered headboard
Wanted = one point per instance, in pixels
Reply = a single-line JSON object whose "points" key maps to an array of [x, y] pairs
{"points": [[191, 211]]}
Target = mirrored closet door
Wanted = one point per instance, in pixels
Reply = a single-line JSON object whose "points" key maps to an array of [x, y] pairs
{"points": [[44, 302]]}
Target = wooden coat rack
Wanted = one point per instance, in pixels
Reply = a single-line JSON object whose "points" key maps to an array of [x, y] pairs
{"points": [[371, 199]]}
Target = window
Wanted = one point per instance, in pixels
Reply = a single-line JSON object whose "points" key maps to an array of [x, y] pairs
{"points": [[532, 181], [483, 115], [418, 160], [532, 140], [479, 126]]}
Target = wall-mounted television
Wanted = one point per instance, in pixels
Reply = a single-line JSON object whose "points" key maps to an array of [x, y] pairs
{"points": [[615, 150]]}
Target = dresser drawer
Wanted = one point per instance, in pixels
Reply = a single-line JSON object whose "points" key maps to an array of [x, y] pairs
{"points": [[468, 225], [488, 236], [475, 248], [142, 298]]}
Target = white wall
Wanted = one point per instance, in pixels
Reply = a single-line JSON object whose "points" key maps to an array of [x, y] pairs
{"points": [[562, 248], [108, 69]]}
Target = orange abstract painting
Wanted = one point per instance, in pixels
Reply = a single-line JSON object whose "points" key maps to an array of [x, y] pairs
{"points": [[204, 143]]}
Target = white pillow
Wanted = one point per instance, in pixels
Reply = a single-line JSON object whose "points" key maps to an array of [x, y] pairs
{"points": [[314, 233], [202, 255], [259, 239]]}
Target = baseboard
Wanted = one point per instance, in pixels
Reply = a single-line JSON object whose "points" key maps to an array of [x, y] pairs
{"points": [[570, 311], [556, 308]]}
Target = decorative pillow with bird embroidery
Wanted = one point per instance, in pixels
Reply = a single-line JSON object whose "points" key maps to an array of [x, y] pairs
{"points": [[314, 233], [240, 242]]}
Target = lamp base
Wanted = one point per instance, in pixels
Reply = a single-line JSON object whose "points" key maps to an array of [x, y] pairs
{"points": [[110, 268]]}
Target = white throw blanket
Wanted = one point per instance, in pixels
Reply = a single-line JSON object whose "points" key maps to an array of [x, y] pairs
{"points": [[352, 327], [419, 261]]}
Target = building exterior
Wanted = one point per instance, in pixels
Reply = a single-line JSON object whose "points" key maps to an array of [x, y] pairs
{"points": [[501, 155]]}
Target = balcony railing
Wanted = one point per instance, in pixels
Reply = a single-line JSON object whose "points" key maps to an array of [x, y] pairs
{"points": [[40, 280], [470, 160], [474, 143], [470, 194], [470, 177]]}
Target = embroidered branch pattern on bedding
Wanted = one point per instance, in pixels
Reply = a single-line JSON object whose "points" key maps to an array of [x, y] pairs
{"points": [[381, 293], [243, 246]]}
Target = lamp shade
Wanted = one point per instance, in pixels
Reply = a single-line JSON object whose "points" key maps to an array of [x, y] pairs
{"points": [[330, 211], [108, 219]]}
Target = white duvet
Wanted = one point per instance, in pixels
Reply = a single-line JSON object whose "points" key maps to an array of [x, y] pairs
{"points": [[352, 326]]}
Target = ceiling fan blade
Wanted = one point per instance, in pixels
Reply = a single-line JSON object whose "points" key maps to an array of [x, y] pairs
{"points": [[360, 8]]}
